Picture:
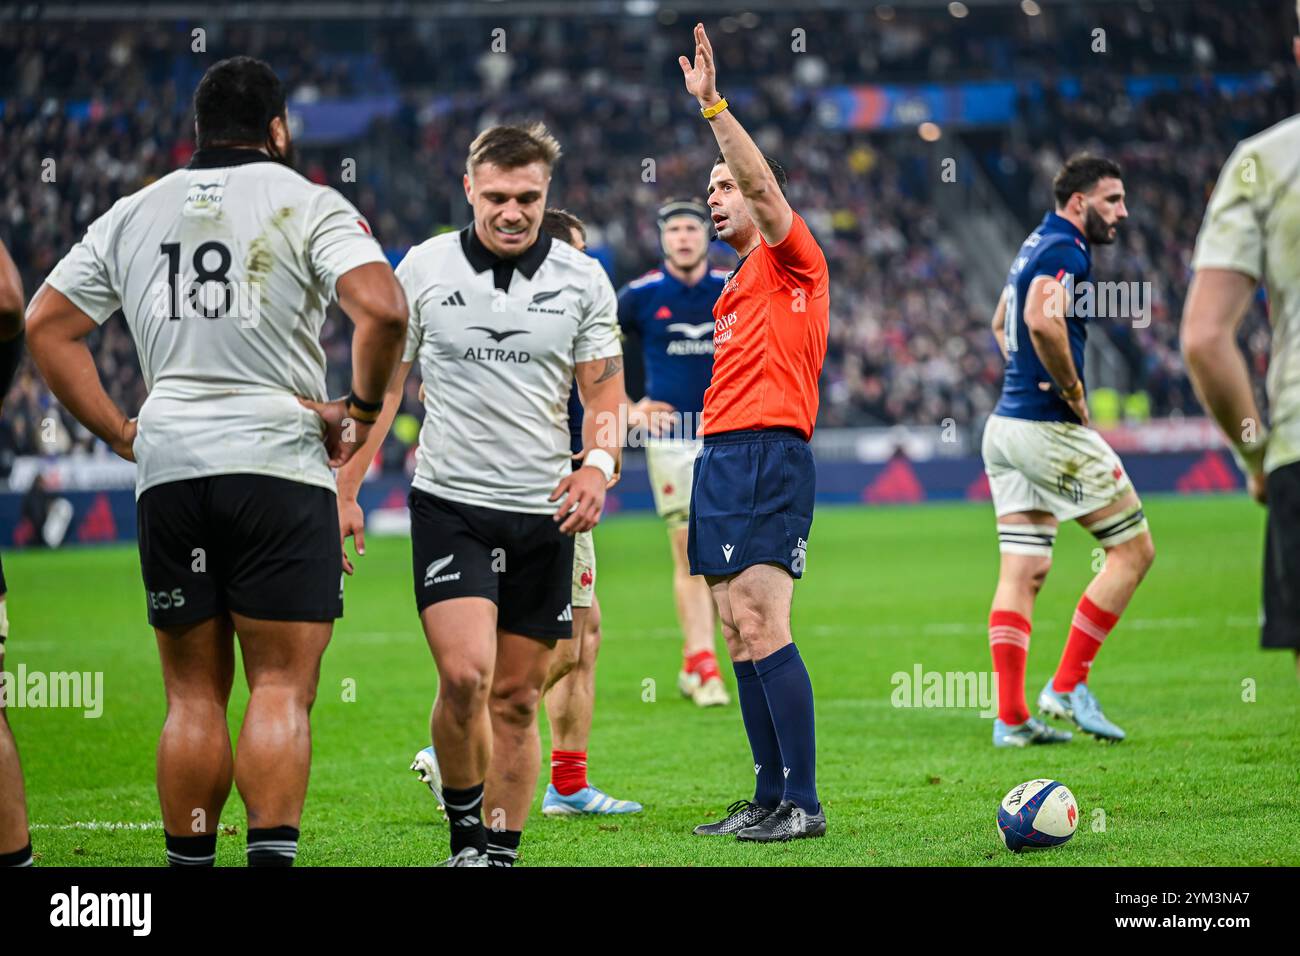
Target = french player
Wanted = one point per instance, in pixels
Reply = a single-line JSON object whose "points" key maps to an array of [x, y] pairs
{"points": [[1045, 465], [754, 480], [670, 311]]}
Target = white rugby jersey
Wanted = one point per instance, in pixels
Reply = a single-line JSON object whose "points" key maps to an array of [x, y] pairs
{"points": [[223, 271], [498, 363], [1251, 226]]}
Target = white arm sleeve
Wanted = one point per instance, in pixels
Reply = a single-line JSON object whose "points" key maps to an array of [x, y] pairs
{"points": [[85, 274]]}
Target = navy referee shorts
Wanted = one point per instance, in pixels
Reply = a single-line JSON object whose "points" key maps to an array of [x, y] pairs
{"points": [[751, 502]]}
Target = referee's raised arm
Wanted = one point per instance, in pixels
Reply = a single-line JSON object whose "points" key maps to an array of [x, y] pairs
{"points": [[750, 171]]}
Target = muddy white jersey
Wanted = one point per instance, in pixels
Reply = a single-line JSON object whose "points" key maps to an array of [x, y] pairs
{"points": [[223, 271]]}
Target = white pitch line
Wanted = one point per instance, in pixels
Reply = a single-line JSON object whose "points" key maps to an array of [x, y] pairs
{"points": [[96, 825]]}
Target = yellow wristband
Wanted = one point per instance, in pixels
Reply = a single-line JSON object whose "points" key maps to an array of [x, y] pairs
{"points": [[711, 111]]}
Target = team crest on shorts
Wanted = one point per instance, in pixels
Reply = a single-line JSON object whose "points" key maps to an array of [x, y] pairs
{"points": [[1070, 487]]}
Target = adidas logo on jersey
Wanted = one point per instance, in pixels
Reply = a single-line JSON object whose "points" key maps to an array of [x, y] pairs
{"points": [[454, 299], [566, 614], [431, 575]]}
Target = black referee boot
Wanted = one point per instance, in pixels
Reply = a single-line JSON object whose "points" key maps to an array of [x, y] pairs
{"points": [[786, 822]]}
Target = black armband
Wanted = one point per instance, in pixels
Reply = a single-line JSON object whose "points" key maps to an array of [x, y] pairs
{"points": [[363, 411]]}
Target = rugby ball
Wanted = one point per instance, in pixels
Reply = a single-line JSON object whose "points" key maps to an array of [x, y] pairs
{"points": [[1036, 815]]}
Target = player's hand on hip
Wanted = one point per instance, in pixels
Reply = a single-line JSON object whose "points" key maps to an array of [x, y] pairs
{"points": [[1257, 484], [650, 416], [124, 447], [582, 498], [343, 433], [1076, 397], [352, 524], [1080, 408], [701, 76]]}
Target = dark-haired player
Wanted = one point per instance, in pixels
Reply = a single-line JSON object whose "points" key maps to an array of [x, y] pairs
{"points": [[754, 481], [1045, 465], [15, 839], [223, 271]]}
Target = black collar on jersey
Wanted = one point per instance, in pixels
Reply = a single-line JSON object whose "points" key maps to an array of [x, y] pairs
{"points": [[743, 259], [482, 258], [215, 156]]}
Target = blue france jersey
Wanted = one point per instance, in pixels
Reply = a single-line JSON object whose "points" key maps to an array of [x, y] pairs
{"points": [[1057, 249], [675, 324]]}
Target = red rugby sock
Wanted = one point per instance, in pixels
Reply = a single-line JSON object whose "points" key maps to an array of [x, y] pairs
{"points": [[1087, 631], [568, 770], [1009, 643], [704, 663]]}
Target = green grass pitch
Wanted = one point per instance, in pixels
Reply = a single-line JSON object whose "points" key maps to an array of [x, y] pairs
{"points": [[1207, 776]]}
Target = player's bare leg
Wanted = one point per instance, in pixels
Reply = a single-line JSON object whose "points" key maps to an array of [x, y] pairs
{"points": [[696, 613], [521, 666], [15, 835], [570, 695], [1021, 576], [273, 755], [1126, 564], [1121, 529], [195, 763], [563, 662], [570, 688], [461, 633], [1025, 541], [462, 636]]}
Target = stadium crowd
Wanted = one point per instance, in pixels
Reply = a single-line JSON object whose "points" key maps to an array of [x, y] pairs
{"points": [[82, 124]]}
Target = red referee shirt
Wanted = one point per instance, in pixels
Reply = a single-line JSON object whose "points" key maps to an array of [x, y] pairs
{"points": [[769, 338]]}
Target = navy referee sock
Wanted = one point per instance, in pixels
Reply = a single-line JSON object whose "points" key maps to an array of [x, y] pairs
{"points": [[272, 846], [769, 784], [198, 850], [790, 700]]}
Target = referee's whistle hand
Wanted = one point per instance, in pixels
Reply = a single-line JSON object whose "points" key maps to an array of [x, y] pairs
{"points": [[582, 498]]}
